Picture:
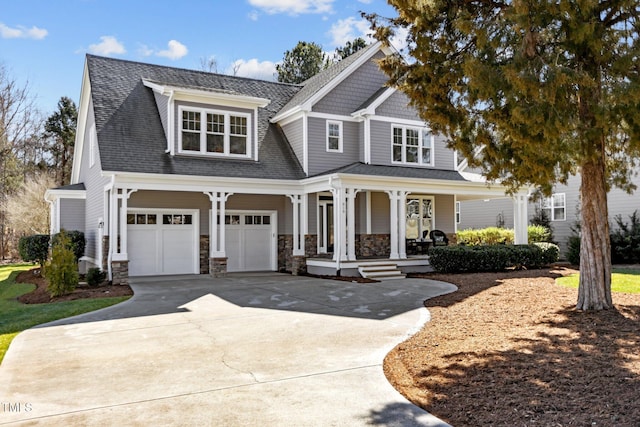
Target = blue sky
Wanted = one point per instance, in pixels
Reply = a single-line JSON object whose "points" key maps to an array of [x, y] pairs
{"points": [[43, 42]]}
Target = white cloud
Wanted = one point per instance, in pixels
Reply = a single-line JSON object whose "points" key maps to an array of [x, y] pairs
{"points": [[253, 68], [294, 7], [253, 15], [366, 1], [22, 33], [144, 50], [345, 30], [108, 45], [176, 50], [399, 41]]}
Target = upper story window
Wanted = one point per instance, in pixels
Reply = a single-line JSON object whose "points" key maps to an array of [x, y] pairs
{"points": [[214, 132], [412, 145], [555, 207], [334, 136]]}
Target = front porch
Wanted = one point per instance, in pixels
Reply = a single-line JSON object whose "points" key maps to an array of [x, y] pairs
{"points": [[328, 266]]}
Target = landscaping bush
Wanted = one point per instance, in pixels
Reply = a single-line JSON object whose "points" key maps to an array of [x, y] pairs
{"points": [[625, 240], [77, 242], [479, 258], [539, 234], [550, 252], [34, 248], [484, 236], [62, 271], [573, 251], [95, 276]]}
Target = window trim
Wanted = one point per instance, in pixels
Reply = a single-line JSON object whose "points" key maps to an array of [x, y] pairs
{"points": [[340, 136], [551, 207], [458, 212], [422, 145], [203, 132]]}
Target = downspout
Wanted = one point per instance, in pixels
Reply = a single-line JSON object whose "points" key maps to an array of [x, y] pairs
{"points": [[336, 248], [110, 252]]}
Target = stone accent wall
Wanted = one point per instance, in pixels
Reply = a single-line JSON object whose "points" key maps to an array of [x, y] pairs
{"points": [[218, 267], [298, 265], [204, 254], [104, 262], [311, 245], [373, 245], [285, 252], [120, 272]]}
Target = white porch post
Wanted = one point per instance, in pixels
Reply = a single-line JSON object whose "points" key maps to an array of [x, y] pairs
{"points": [[402, 229], [520, 219], [351, 223], [222, 246], [296, 204], [113, 223], [393, 210], [339, 242], [217, 248]]}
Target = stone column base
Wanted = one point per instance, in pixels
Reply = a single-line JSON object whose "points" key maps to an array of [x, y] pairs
{"points": [[218, 267], [120, 272], [298, 265]]}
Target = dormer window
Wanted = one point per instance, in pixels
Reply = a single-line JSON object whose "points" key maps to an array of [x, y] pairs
{"points": [[214, 132], [412, 145]]}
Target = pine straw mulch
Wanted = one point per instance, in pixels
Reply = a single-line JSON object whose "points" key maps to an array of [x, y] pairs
{"points": [[510, 349], [40, 295]]}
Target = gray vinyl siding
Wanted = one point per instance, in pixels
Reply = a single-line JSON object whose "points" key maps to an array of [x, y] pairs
{"points": [[380, 142], [312, 213], [162, 103], [320, 160], [481, 214], [72, 214], [443, 157], [186, 200], [178, 119], [397, 105], [444, 213], [380, 213], [94, 184], [294, 132], [350, 94]]}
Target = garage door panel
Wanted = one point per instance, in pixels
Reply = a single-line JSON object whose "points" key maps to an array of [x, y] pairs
{"points": [[143, 257], [249, 242], [257, 249], [177, 251]]}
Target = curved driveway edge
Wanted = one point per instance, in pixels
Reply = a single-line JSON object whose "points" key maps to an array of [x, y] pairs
{"points": [[268, 349]]}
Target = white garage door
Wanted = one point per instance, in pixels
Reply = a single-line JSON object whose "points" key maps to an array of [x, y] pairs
{"points": [[162, 242], [251, 241]]}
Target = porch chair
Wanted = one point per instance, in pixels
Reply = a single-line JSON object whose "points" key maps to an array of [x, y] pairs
{"points": [[439, 238]]}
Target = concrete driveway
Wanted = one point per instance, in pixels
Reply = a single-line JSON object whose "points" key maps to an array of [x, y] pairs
{"points": [[261, 350]]}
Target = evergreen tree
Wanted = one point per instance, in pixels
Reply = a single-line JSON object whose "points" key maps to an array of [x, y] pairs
{"points": [[546, 89], [350, 48], [60, 128], [301, 63]]}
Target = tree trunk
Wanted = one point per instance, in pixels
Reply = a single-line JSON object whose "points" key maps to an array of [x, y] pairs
{"points": [[594, 292]]}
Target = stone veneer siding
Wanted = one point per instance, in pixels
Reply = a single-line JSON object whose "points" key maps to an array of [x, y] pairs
{"points": [[120, 272], [373, 245], [104, 262], [204, 254], [285, 252], [218, 267]]}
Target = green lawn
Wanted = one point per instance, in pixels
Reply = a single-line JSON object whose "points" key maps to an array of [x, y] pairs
{"points": [[622, 280], [15, 317]]}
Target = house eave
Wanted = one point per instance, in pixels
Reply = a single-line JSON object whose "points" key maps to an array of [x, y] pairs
{"points": [[177, 91]]}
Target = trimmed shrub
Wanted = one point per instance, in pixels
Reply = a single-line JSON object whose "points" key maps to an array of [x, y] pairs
{"points": [[539, 234], [34, 248], [62, 271], [95, 276], [550, 252], [482, 258], [484, 236], [77, 242]]}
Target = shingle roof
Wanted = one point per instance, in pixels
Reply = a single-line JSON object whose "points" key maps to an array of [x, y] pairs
{"points": [[72, 187], [397, 171], [130, 133]]}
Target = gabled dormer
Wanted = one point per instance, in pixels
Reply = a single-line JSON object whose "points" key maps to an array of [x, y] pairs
{"points": [[208, 122]]}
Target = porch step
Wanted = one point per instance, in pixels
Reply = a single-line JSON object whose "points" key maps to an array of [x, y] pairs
{"points": [[381, 271]]}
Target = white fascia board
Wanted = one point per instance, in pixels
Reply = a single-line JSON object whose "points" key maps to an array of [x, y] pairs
{"points": [[56, 194], [83, 114], [399, 121], [289, 115], [371, 109], [220, 98], [329, 116], [141, 181]]}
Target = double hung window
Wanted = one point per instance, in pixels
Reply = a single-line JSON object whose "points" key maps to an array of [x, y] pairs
{"points": [[214, 132], [412, 145], [555, 207]]}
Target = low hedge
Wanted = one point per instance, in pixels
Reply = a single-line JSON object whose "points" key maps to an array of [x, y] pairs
{"points": [[456, 259], [34, 248], [496, 235]]}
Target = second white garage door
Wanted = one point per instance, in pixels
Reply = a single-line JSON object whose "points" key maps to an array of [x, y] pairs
{"points": [[251, 241]]}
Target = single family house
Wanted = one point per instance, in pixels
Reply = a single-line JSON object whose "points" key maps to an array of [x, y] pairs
{"points": [[186, 172]]}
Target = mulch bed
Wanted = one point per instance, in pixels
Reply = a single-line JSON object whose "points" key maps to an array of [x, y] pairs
{"points": [[40, 294], [510, 349]]}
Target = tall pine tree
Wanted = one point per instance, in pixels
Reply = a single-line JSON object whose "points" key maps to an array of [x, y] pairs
{"points": [[545, 89]]}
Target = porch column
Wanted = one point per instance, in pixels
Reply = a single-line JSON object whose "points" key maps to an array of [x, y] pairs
{"points": [[520, 219], [351, 223], [402, 228], [298, 235], [217, 247], [124, 196], [393, 210], [339, 225]]}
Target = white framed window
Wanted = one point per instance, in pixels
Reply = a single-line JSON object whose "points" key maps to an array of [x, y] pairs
{"points": [[214, 132], [555, 207], [457, 212], [411, 145], [334, 136]]}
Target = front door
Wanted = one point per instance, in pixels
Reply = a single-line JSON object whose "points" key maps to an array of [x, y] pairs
{"points": [[419, 221], [325, 224]]}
